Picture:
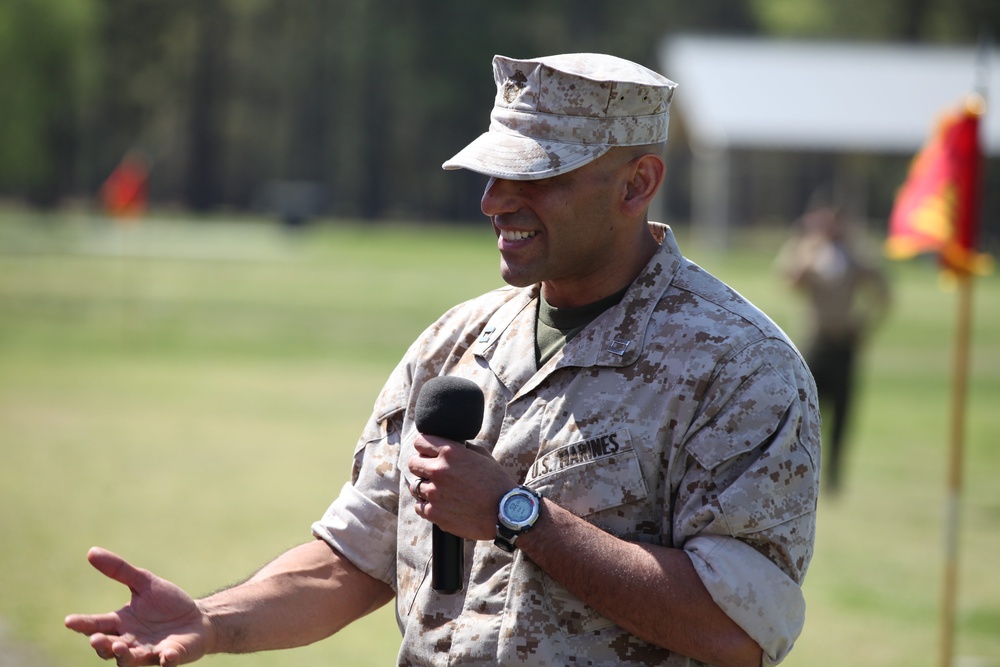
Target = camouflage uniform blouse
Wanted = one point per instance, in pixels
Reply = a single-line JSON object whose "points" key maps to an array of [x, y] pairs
{"points": [[681, 417]]}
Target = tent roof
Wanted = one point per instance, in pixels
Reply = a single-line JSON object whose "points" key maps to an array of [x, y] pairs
{"points": [[751, 93]]}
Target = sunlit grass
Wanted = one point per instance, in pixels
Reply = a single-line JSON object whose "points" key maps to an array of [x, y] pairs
{"points": [[188, 393]]}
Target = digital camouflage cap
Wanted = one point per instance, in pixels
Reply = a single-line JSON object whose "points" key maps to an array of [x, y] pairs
{"points": [[557, 113]]}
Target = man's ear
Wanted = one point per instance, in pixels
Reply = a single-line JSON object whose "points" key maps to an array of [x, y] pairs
{"points": [[646, 175]]}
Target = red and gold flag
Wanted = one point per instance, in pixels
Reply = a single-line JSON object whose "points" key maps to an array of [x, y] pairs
{"points": [[937, 208]]}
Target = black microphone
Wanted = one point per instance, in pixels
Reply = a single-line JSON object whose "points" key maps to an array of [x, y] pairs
{"points": [[449, 407]]}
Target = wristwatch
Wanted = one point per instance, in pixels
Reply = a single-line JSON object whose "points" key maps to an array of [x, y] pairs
{"points": [[517, 514]]}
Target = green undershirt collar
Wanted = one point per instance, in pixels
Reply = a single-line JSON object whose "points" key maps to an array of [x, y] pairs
{"points": [[557, 326]]}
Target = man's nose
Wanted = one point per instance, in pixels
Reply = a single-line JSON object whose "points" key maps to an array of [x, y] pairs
{"points": [[500, 196]]}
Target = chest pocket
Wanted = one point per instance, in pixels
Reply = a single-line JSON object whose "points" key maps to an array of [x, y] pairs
{"points": [[591, 475], [587, 478]]}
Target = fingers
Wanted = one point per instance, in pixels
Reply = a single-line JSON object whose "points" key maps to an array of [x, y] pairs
{"points": [[101, 644], [415, 489], [132, 657], [430, 445], [127, 655], [89, 624], [420, 466], [111, 648], [170, 657], [433, 453], [419, 493]]}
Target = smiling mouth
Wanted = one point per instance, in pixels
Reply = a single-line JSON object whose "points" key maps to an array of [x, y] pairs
{"points": [[514, 235]]}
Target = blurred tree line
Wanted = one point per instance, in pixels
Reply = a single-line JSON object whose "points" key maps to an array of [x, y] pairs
{"points": [[362, 98]]}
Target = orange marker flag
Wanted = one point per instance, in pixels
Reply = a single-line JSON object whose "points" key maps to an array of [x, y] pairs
{"points": [[124, 193], [937, 208]]}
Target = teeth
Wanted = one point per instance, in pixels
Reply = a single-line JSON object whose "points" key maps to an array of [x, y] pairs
{"points": [[515, 235]]}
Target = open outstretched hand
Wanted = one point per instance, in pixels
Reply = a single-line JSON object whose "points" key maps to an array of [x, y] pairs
{"points": [[161, 624]]}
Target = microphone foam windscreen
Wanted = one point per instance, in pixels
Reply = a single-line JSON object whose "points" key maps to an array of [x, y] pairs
{"points": [[450, 407]]}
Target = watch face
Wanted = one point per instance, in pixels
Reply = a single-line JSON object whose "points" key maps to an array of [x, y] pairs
{"points": [[517, 514], [519, 508]]}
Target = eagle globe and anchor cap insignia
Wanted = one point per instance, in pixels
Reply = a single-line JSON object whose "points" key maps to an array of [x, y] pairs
{"points": [[513, 86]]}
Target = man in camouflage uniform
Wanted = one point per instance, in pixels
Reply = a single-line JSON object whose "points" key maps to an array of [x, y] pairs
{"points": [[669, 428]]}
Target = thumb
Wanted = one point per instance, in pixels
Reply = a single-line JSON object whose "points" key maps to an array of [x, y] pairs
{"points": [[115, 567]]}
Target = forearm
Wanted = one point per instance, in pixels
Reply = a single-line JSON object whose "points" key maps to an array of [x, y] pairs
{"points": [[652, 592], [306, 594]]}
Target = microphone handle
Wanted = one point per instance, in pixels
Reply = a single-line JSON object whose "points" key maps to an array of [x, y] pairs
{"points": [[448, 562], [450, 407]]}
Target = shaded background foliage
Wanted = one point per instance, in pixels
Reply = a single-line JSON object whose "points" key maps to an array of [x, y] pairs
{"points": [[361, 98]]}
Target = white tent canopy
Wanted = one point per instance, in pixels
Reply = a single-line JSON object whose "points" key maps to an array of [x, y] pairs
{"points": [[744, 93], [815, 95]]}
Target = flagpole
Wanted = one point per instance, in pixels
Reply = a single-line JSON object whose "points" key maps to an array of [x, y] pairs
{"points": [[960, 382], [955, 458]]}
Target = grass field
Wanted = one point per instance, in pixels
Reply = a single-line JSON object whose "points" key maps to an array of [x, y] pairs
{"points": [[188, 393]]}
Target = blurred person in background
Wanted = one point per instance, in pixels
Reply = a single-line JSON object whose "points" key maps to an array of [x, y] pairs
{"points": [[847, 296], [643, 487]]}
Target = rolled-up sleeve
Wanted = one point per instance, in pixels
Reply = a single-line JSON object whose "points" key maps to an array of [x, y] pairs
{"points": [[755, 593], [747, 506], [363, 532], [362, 522]]}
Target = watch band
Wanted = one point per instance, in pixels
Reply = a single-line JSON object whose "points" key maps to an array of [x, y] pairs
{"points": [[506, 538]]}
